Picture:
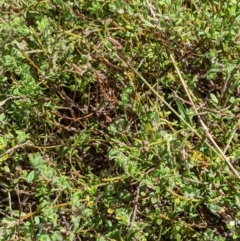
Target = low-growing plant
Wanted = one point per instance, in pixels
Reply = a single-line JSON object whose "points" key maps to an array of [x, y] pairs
{"points": [[119, 120]]}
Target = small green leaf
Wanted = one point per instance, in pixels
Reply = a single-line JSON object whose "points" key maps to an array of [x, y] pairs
{"points": [[6, 169], [36, 160], [21, 136], [2, 117], [214, 98], [84, 59], [154, 200], [159, 221], [30, 176], [182, 111], [157, 211], [121, 215]]}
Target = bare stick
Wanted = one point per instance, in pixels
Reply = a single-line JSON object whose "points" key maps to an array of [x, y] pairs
{"points": [[205, 128]]}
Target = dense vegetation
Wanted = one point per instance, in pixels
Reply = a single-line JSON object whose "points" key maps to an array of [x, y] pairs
{"points": [[119, 120]]}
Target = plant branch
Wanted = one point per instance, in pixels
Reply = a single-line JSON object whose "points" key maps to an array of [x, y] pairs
{"points": [[205, 128]]}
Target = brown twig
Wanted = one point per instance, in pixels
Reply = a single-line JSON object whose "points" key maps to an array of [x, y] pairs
{"points": [[136, 199]]}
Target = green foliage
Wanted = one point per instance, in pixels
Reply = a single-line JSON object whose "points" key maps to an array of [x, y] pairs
{"points": [[99, 139]]}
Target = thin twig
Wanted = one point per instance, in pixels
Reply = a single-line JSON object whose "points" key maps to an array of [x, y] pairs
{"points": [[231, 137], [136, 199], [205, 128], [218, 112], [213, 145]]}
